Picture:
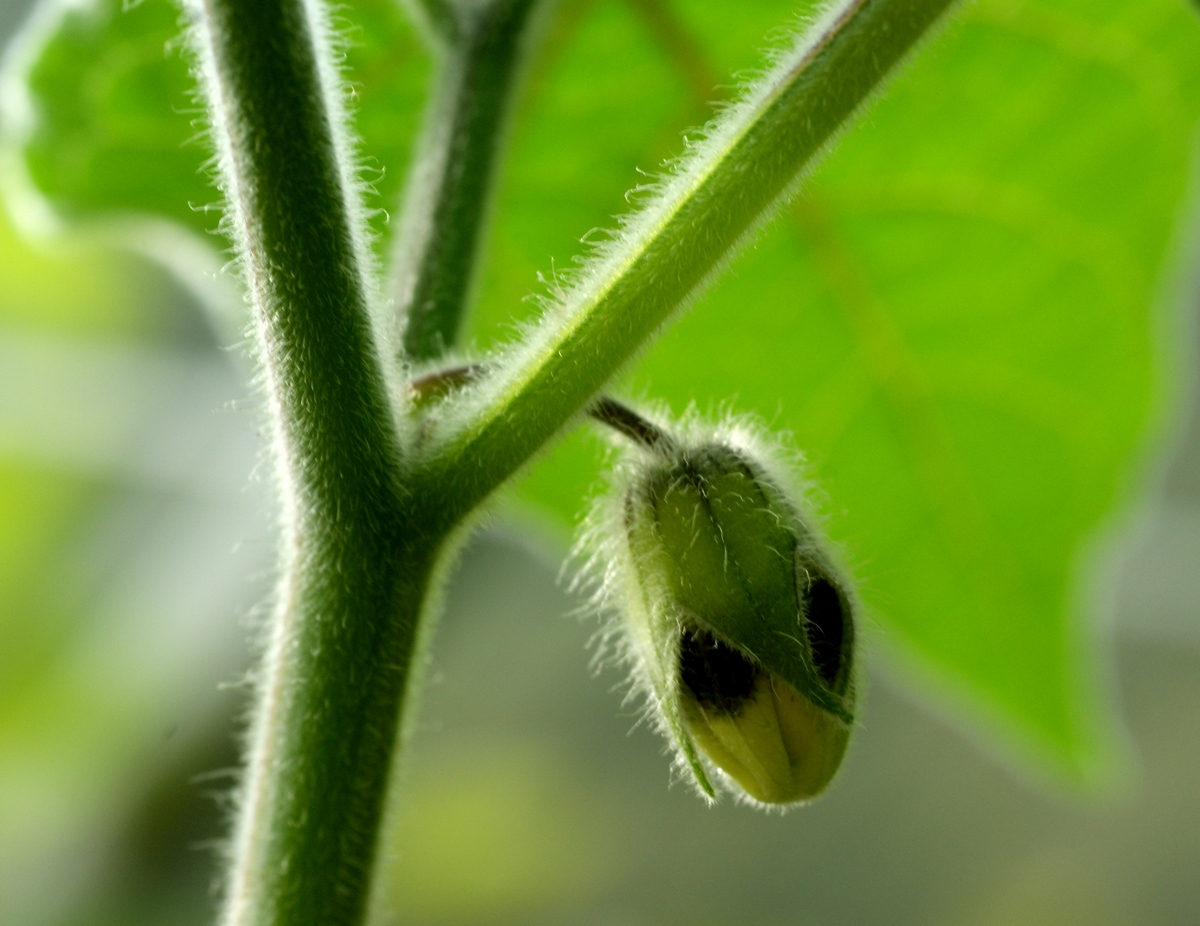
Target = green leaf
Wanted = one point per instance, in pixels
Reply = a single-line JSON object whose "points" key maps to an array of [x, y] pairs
{"points": [[116, 128], [957, 321]]}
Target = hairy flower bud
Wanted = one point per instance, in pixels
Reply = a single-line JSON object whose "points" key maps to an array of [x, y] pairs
{"points": [[741, 623]]}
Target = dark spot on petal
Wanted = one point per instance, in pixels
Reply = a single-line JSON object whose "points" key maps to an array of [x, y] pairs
{"points": [[826, 627], [717, 675]]}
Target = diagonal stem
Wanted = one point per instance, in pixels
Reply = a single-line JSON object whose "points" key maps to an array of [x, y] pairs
{"points": [[604, 409], [750, 160], [451, 185]]}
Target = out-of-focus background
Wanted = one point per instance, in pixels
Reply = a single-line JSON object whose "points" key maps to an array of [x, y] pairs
{"points": [[135, 543]]}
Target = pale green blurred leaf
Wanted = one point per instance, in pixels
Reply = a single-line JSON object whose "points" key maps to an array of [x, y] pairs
{"points": [[957, 321], [117, 128], [48, 295]]}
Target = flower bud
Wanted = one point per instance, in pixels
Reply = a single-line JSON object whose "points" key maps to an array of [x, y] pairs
{"points": [[741, 623]]}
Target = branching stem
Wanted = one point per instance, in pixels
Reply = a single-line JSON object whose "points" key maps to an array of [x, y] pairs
{"points": [[366, 519], [605, 409], [357, 556]]}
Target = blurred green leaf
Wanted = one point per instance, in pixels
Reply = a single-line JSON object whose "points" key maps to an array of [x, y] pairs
{"points": [[36, 510], [494, 835], [49, 295], [957, 321], [118, 130], [84, 295]]}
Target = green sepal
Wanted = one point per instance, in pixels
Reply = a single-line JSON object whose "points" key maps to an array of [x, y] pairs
{"points": [[654, 633], [734, 552]]}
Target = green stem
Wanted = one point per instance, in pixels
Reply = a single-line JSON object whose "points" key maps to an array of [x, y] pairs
{"points": [[355, 570], [751, 158], [438, 19], [451, 185], [608, 411], [626, 421]]}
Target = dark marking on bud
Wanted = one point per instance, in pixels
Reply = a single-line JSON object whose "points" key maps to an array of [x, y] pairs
{"points": [[826, 627], [718, 676]]}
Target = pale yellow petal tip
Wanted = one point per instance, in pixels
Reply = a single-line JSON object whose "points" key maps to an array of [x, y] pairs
{"points": [[776, 745]]}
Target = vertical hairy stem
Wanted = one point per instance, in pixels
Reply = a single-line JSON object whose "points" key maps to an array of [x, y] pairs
{"points": [[354, 572], [451, 185]]}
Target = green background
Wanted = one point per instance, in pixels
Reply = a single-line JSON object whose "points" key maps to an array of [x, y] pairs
{"points": [[973, 322]]}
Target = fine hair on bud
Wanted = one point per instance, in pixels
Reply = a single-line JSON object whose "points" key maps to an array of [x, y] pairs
{"points": [[725, 601]]}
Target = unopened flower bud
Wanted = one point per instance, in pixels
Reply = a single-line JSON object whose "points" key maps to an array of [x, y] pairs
{"points": [[742, 624]]}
